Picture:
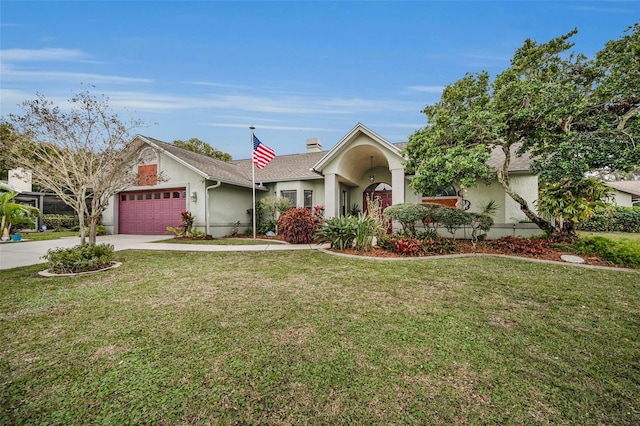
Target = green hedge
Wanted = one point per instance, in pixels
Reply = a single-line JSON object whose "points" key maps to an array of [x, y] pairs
{"points": [[55, 221], [619, 219]]}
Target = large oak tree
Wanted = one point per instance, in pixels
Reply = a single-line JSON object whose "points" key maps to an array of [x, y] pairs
{"points": [[570, 113]]}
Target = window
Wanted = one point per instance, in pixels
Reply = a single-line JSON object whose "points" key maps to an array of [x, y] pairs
{"points": [[123, 197], [176, 194], [132, 197], [291, 195], [156, 195], [166, 195], [308, 199], [147, 196], [139, 196], [446, 191]]}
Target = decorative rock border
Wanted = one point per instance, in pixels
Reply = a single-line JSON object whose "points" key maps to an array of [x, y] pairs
{"points": [[48, 274]]}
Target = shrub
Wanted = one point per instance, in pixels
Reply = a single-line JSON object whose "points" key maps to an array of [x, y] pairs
{"points": [[623, 252], [298, 225], [387, 243], [452, 218], [532, 246], [60, 221], [340, 232], [407, 214], [269, 225], [408, 246], [100, 230], [427, 234], [79, 259], [617, 219], [438, 245], [366, 228]]}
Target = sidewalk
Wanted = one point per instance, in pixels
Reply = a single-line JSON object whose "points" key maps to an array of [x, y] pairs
{"points": [[26, 253]]}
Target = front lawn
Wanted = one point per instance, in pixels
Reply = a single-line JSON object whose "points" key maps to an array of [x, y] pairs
{"points": [[308, 338], [222, 241], [49, 235]]}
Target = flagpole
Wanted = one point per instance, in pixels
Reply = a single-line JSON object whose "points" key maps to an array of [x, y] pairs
{"points": [[253, 183]]}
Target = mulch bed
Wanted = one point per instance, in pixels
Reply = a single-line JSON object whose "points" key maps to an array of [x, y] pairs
{"points": [[483, 247]]}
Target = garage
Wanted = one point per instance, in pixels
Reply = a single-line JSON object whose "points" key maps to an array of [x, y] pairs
{"points": [[150, 212]]}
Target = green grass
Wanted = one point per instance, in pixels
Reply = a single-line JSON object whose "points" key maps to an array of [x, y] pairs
{"points": [[616, 236], [223, 242], [307, 338], [41, 236]]}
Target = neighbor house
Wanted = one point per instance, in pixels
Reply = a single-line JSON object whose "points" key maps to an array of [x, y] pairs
{"points": [[360, 165], [626, 193]]}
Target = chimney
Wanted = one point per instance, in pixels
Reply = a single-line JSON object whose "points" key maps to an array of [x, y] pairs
{"points": [[314, 145]]}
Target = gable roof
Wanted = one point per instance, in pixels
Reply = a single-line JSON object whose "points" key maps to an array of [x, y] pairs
{"points": [[207, 167], [342, 144], [629, 186]]}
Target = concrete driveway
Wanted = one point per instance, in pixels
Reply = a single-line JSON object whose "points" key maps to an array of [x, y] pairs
{"points": [[24, 253]]}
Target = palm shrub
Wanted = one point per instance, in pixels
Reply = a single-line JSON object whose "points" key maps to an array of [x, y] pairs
{"points": [[298, 225], [571, 202], [367, 227], [79, 259], [340, 232]]}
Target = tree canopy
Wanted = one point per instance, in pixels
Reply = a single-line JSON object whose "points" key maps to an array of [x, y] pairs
{"points": [[80, 153], [201, 147], [570, 113]]}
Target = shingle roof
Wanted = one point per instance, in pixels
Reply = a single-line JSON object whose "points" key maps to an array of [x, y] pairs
{"points": [[518, 163], [629, 186], [212, 168], [284, 167]]}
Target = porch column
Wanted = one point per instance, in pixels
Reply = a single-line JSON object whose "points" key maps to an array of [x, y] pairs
{"points": [[331, 193], [397, 186]]}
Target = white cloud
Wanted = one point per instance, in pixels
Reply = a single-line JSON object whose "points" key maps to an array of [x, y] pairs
{"points": [[264, 104], [427, 89], [271, 127], [10, 73], [48, 54]]}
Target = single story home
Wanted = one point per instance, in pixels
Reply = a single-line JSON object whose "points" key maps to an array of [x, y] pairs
{"points": [[360, 164], [626, 192]]}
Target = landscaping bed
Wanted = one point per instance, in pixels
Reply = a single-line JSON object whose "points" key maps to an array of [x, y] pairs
{"points": [[484, 247]]}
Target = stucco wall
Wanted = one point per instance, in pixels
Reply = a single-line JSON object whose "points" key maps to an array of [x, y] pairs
{"points": [[228, 204], [623, 199], [315, 185]]}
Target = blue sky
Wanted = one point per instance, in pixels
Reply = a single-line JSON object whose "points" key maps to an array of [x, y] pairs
{"points": [[295, 70]]}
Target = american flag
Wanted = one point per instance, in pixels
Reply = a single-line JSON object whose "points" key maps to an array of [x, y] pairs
{"points": [[262, 154]]}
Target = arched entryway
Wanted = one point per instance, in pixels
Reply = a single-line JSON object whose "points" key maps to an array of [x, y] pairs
{"points": [[380, 191]]}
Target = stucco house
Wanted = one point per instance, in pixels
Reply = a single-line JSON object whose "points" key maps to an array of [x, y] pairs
{"points": [[219, 193], [626, 193]]}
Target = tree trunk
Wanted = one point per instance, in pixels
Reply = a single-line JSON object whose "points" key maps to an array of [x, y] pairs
{"points": [[81, 214], [540, 222]]}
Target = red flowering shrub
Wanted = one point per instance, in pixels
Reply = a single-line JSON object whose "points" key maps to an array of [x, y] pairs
{"points": [[532, 246], [407, 246], [298, 226]]}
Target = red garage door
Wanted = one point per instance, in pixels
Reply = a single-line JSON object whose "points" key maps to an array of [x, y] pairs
{"points": [[150, 212]]}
